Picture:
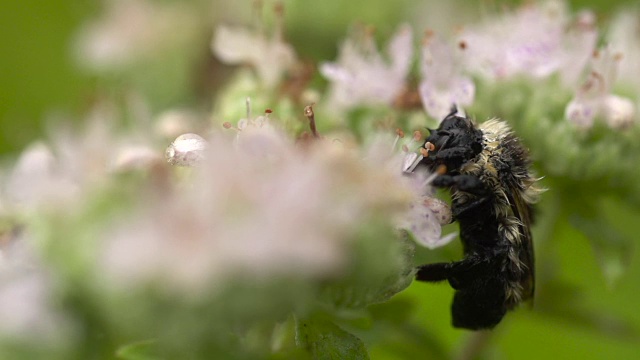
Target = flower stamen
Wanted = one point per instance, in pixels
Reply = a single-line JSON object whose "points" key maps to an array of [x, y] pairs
{"points": [[308, 112]]}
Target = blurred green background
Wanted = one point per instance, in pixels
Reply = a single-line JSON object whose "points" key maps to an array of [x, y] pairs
{"points": [[589, 318]]}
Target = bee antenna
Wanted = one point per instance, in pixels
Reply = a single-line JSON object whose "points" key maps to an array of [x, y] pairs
{"points": [[430, 130]]}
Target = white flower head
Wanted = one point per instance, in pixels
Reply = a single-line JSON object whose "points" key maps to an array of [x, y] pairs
{"points": [[270, 56], [133, 30], [26, 293], [361, 76], [536, 40], [426, 214], [443, 84], [258, 136], [594, 99], [293, 211], [74, 163], [623, 38]]}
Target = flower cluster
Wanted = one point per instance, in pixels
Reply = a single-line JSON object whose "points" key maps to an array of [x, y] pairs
{"points": [[537, 41]]}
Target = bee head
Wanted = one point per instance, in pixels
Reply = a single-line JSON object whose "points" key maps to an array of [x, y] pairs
{"points": [[456, 134]]}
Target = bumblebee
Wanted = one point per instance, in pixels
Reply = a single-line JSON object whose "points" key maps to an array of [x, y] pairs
{"points": [[487, 169]]}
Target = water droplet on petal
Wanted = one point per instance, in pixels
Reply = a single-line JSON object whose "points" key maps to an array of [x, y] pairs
{"points": [[186, 150]]}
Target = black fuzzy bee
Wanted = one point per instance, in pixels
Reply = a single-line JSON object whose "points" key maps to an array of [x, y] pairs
{"points": [[487, 170]]}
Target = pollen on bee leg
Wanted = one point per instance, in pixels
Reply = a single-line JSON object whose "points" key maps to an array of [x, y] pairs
{"points": [[429, 146], [441, 169]]}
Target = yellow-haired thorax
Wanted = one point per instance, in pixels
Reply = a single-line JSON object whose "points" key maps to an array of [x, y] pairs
{"points": [[503, 166]]}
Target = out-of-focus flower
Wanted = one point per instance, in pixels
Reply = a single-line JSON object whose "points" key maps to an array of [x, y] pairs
{"points": [[443, 83], [535, 41], [623, 38], [174, 122], [134, 30], [26, 293], [578, 44], [56, 175], [293, 214], [270, 56], [25, 311], [594, 98], [361, 76], [258, 137], [426, 214]]}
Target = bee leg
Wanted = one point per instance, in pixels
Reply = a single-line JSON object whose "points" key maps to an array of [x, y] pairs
{"points": [[434, 272], [465, 271], [466, 183], [456, 272], [457, 154], [458, 210]]}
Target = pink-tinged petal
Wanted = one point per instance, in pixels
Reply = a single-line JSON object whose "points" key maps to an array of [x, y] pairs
{"points": [[581, 113], [619, 112], [361, 76], [443, 83], [271, 58], [439, 208], [464, 91], [623, 38], [437, 103], [579, 44], [426, 228], [401, 50], [536, 40], [235, 45]]}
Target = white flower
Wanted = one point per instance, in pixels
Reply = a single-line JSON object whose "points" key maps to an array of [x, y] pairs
{"points": [[271, 57], [292, 211], [536, 40], [578, 45], [443, 84], [26, 293], [427, 214], [57, 175], [25, 309], [594, 99], [361, 76], [623, 38], [133, 30]]}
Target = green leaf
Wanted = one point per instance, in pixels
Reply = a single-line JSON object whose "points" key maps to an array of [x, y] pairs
{"points": [[141, 350], [327, 341]]}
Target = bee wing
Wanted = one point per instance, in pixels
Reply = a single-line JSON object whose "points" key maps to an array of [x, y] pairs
{"points": [[522, 210]]}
